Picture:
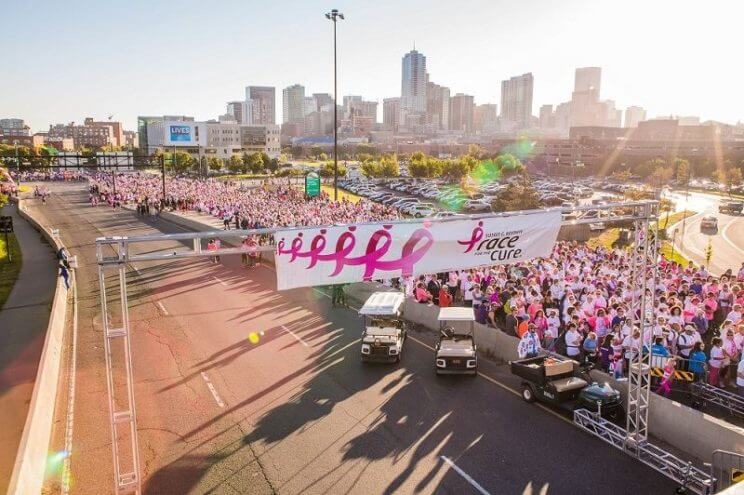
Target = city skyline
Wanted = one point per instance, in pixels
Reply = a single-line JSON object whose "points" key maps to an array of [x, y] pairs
{"points": [[679, 82]]}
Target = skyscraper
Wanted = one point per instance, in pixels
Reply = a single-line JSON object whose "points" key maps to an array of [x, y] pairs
{"points": [[461, 112], [262, 100], [633, 115], [547, 117], [588, 79], [293, 104], [485, 117], [241, 111], [391, 112], [413, 84], [437, 105], [516, 99]]}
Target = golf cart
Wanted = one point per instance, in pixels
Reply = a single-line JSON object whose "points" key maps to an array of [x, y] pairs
{"points": [[560, 381], [455, 350], [384, 328]]}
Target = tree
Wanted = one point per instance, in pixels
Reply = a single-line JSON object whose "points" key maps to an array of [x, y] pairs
{"points": [[389, 166], [255, 162], [327, 170], [621, 176], [235, 164], [214, 163], [682, 171], [418, 166], [316, 151], [272, 165], [646, 168], [297, 151], [518, 195], [370, 168], [476, 151], [454, 170], [365, 149], [509, 164], [728, 177], [660, 176]]}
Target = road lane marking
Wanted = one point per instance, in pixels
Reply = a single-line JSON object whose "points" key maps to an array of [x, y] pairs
{"points": [[162, 308], [299, 339], [71, 391], [321, 293], [211, 388], [727, 239], [465, 475], [219, 280], [499, 384]]}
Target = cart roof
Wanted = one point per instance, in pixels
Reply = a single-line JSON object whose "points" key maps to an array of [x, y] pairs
{"points": [[456, 314], [383, 304]]}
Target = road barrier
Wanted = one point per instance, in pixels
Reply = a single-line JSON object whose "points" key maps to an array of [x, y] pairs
{"points": [[33, 450]]}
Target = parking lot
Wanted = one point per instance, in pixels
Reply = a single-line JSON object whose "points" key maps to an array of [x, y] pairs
{"points": [[436, 197]]}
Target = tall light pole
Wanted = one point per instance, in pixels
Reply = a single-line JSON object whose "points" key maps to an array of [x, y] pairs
{"points": [[333, 15]]}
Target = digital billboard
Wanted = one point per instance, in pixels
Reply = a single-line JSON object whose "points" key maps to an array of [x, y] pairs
{"points": [[180, 133]]}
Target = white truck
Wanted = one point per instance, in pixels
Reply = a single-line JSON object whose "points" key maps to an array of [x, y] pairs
{"points": [[456, 349], [385, 330]]}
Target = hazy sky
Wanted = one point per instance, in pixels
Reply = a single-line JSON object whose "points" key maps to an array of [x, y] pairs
{"points": [[63, 61]]}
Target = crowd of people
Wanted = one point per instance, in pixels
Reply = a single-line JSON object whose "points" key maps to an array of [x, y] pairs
{"points": [[577, 302], [271, 205]]}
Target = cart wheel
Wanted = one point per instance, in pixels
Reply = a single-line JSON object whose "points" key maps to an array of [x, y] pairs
{"points": [[527, 394]]}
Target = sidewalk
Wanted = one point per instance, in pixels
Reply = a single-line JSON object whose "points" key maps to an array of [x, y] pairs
{"points": [[23, 324]]}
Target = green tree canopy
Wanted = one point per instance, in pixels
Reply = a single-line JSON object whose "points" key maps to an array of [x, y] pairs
{"points": [[518, 195]]}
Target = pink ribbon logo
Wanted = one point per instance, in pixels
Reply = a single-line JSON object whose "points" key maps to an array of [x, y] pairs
{"points": [[475, 238], [377, 247]]}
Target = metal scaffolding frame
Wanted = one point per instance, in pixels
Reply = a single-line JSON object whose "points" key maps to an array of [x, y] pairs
{"points": [[122, 412]]}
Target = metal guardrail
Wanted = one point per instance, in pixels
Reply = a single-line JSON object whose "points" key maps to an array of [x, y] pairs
{"points": [[666, 463], [708, 394]]}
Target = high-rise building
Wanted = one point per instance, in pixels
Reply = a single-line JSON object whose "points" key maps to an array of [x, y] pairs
{"points": [[461, 112], [262, 100], [14, 127], [363, 108], [413, 84], [516, 99], [91, 134], [485, 117], [547, 117], [310, 105], [293, 104], [240, 111], [588, 79], [391, 112], [437, 105], [586, 107], [323, 101]]}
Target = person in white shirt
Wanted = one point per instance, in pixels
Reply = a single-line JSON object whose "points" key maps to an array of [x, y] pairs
{"points": [[573, 341], [466, 288], [529, 344]]}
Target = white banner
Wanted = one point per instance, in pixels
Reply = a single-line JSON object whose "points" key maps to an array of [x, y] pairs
{"points": [[355, 253]]}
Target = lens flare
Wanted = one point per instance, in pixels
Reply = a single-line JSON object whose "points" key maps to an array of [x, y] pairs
{"points": [[253, 338], [55, 462]]}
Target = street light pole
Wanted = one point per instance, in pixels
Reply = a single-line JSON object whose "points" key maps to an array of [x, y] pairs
{"points": [[18, 164], [334, 15]]}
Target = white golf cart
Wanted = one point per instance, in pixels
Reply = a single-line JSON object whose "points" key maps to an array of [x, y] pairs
{"points": [[456, 349], [384, 328]]}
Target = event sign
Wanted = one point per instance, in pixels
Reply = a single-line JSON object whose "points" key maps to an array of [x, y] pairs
{"points": [[355, 253], [312, 184]]}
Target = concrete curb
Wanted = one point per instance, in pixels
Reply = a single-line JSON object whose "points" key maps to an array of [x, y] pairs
{"points": [[30, 463]]}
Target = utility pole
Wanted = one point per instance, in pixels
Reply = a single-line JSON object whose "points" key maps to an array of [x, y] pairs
{"points": [[333, 15]]}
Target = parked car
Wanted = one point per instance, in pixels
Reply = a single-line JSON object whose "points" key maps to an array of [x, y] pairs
{"points": [[709, 222]]}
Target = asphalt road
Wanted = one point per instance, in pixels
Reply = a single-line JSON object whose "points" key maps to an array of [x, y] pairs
{"points": [[727, 242], [290, 408]]}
